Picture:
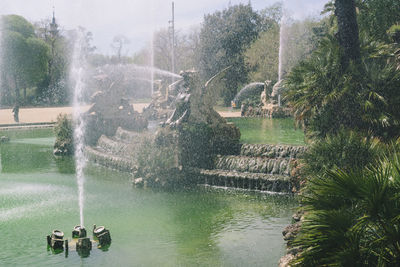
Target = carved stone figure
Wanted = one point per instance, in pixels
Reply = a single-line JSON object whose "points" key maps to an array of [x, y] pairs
{"points": [[109, 111], [266, 93]]}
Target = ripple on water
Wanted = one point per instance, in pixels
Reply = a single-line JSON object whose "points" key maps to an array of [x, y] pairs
{"points": [[23, 200], [16, 189], [30, 210]]}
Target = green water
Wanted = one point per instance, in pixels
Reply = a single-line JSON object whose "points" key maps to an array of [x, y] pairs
{"points": [[194, 227], [268, 131]]}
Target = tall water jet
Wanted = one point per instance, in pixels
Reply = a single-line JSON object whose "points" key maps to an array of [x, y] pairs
{"points": [[277, 86], [152, 49], [77, 75], [152, 64], [281, 43], [1, 55]]}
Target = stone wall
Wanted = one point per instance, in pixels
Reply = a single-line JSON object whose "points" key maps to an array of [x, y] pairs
{"points": [[272, 112], [257, 167]]}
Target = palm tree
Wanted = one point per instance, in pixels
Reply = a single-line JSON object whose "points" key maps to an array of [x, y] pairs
{"points": [[324, 98], [345, 11], [352, 218]]}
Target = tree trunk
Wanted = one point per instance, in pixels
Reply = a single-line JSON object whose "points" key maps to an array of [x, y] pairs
{"points": [[345, 11]]}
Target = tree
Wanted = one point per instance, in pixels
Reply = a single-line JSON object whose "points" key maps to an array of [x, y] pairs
{"points": [[262, 57], [375, 17], [333, 89], [24, 55], [325, 98], [119, 41], [345, 11], [186, 50], [299, 42], [53, 89], [223, 39]]}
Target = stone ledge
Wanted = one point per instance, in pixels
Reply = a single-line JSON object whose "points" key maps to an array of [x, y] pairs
{"points": [[244, 175], [264, 165], [109, 160], [272, 151], [244, 180]]}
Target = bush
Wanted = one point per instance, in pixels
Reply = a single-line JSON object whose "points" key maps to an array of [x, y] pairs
{"points": [[64, 133], [347, 150], [352, 217], [157, 161]]}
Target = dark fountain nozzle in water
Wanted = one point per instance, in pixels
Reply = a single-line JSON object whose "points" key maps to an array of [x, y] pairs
{"points": [[56, 241], [84, 244], [79, 232], [103, 235]]}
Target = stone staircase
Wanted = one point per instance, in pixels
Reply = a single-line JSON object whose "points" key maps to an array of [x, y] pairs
{"points": [[256, 167], [117, 152]]}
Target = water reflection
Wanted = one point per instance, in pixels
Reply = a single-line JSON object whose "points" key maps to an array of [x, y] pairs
{"points": [[25, 157]]}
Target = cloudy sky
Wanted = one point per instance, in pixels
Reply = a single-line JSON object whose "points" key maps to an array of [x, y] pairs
{"points": [[136, 18]]}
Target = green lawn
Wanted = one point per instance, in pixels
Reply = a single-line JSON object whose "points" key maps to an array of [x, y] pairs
{"points": [[268, 131]]}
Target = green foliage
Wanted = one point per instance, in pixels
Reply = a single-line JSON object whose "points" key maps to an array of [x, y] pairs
{"points": [[15, 23], [223, 39], [263, 55], [325, 98], [24, 55], [347, 150], [375, 17], [53, 89], [64, 133], [156, 162], [394, 32], [352, 217], [300, 39]]}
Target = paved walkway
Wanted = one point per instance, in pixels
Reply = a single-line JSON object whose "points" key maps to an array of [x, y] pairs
{"points": [[49, 115]]}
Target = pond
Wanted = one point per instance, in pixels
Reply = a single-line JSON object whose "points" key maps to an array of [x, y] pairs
{"points": [[269, 131], [193, 227]]}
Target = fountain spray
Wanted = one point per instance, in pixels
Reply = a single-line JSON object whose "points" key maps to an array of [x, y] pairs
{"points": [[281, 43], [1, 50], [152, 50], [77, 74]]}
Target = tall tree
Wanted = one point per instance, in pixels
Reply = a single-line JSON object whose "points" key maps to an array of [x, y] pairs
{"points": [[223, 39], [24, 54], [345, 11], [118, 44], [53, 89]]}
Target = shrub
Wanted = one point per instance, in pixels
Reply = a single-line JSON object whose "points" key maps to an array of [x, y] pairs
{"points": [[64, 133], [157, 162], [352, 217], [347, 150]]}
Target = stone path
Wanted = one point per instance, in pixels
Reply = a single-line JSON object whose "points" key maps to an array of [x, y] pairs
{"points": [[49, 114]]}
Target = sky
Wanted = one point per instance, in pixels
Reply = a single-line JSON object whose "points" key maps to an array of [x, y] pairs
{"points": [[137, 19]]}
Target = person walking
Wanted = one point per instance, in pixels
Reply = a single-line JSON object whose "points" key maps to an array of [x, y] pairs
{"points": [[16, 112]]}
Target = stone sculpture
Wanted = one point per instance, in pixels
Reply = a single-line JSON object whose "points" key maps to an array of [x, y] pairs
{"points": [[109, 111]]}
